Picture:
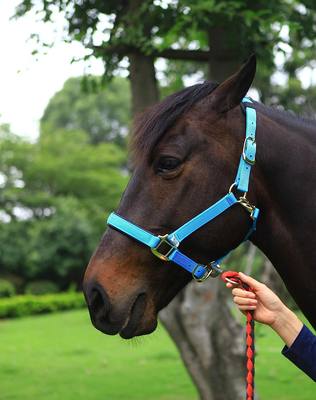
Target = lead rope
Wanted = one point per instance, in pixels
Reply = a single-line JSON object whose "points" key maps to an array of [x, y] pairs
{"points": [[233, 277]]}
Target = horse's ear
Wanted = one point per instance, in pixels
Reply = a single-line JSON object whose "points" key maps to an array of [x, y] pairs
{"points": [[230, 93]]}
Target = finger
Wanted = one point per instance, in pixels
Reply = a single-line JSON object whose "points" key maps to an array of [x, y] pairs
{"points": [[253, 283], [243, 293], [229, 285], [241, 301]]}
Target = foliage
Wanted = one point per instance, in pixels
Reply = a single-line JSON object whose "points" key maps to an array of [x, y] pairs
{"points": [[286, 27], [17, 281], [14, 253], [54, 199], [174, 77], [41, 287], [59, 165], [294, 97], [282, 33], [7, 288], [103, 113], [20, 306], [60, 246]]}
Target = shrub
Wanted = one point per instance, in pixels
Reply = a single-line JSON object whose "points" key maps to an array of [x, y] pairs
{"points": [[17, 281], [20, 306], [7, 288], [41, 287]]}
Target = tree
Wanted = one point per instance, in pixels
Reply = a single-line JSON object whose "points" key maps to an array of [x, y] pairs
{"points": [[61, 165], [294, 97], [56, 247], [60, 246], [54, 200], [219, 34], [102, 112]]}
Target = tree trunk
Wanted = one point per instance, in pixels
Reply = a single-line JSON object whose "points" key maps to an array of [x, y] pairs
{"points": [[211, 342], [144, 85], [228, 48]]}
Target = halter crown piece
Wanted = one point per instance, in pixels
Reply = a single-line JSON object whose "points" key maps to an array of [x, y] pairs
{"points": [[166, 247]]}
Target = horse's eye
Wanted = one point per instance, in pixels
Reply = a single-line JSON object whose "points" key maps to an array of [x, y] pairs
{"points": [[166, 164]]}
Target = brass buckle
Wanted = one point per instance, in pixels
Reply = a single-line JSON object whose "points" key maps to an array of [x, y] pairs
{"points": [[243, 201], [164, 248], [213, 269], [244, 156]]}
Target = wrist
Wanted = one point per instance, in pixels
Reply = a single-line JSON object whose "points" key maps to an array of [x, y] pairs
{"points": [[287, 325]]}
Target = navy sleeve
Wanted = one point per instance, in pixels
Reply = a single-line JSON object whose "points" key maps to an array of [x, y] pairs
{"points": [[303, 352]]}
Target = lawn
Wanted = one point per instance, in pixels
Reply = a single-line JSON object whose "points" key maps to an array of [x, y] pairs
{"points": [[62, 357]]}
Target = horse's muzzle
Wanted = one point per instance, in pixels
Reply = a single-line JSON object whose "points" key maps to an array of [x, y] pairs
{"points": [[125, 318]]}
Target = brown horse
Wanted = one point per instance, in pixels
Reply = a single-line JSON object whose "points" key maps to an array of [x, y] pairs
{"points": [[186, 151]]}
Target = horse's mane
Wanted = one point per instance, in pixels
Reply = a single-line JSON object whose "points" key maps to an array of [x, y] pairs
{"points": [[151, 125]]}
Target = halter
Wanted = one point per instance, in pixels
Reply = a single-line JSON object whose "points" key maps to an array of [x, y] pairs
{"points": [[166, 247]]}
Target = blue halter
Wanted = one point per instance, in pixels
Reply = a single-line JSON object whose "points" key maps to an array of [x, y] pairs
{"points": [[166, 247]]}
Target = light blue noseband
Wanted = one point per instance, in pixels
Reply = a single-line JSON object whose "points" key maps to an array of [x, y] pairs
{"points": [[166, 247]]}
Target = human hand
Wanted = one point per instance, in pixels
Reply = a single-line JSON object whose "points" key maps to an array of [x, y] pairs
{"points": [[267, 308], [264, 303]]}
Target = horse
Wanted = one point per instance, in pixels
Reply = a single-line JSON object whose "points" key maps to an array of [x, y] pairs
{"points": [[185, 151]]}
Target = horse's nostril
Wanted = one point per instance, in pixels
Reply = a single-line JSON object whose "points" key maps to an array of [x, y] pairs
{"points": [[99, 304]]}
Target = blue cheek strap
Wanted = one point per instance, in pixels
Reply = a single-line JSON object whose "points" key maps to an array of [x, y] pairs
{"points": [[166, 247]]}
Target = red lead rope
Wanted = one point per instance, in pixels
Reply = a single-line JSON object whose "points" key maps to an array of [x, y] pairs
{"points": [[233, 277]]}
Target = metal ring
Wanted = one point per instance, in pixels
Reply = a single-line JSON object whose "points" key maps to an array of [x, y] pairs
{"points": [[207, 273], [230, 190], [232, 187], [231, 281]]}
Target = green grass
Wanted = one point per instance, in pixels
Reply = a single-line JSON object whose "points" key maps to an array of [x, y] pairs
{"points": [[61, 357], [276, 377]]}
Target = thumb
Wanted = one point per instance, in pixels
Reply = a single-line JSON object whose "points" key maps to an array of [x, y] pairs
{"points": [[251, 282]]}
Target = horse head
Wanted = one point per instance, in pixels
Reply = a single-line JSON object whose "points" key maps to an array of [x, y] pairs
{"points": [[185, 153]]}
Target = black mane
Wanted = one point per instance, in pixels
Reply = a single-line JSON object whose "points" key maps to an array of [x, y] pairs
{"points": [[151, 125]]}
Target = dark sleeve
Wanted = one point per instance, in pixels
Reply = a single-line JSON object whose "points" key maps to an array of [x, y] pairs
{"points": [[303, 352]]}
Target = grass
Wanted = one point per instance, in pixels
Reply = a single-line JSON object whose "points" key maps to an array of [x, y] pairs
{"points": [[62, 357]]}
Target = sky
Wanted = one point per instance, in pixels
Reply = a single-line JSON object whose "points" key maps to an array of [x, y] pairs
{"points": [[26, 85]]}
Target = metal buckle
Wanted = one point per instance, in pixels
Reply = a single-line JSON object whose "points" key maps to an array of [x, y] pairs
{"points": [[164, 248], [244, 156], [213, 269], [243, 201]]}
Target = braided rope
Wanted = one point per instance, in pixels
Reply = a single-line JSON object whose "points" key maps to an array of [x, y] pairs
{"points": [[233, 277]]}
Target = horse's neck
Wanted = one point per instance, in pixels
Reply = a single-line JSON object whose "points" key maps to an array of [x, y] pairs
{"points": [[285, 191]]}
